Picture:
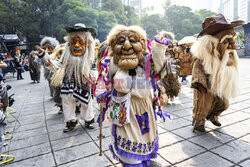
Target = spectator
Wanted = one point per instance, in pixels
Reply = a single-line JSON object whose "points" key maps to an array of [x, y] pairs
{"points": [[18, 68], [34, 66]]}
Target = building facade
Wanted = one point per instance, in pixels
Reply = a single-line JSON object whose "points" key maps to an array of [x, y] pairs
{"points": [[235, 9], [137, 4]]}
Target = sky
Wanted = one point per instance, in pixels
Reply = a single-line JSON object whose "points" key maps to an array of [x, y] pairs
{"points": [[212, 5]]}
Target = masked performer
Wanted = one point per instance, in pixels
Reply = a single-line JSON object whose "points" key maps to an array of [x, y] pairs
{"points": [[34, 66], [215, 74], [49, 44], [184, 57], [132, 109], [72, 73]]}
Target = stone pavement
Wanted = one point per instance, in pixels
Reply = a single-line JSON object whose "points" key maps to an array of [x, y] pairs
{"points": [[39, 140]]}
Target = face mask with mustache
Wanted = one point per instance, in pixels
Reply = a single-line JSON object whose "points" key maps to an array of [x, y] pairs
{"points": [[78, 46]]}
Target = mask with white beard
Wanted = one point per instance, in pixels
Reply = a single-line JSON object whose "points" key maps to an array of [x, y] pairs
{"points": [[222, 68], [80, 66]]}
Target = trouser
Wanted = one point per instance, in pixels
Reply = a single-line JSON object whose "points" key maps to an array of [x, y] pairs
{"points": [[51, 88], [69, 105], [56, 96], [183, 79], [2, 130], [19, 74], [211, 109]]}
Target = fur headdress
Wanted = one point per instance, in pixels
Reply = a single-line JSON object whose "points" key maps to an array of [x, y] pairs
{"points": [[168, 35], [52, 41], [119, 28]]}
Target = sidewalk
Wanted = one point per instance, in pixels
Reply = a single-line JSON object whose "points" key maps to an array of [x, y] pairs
{"points": [[38, 139]]}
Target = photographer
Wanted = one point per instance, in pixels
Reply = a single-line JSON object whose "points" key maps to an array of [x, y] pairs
{"points": [[3, 105]]}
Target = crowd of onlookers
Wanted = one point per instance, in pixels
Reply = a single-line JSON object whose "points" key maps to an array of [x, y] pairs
{"points": [[20, 64]]}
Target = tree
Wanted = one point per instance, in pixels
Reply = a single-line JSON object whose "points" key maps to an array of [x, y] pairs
{"points": [[117, 8], [28, 18], [167, 4], [106, 20], [183, 21], [203, 13], [9, 20], [132, 17], [175, 15], [71, 12], [153, 24]]}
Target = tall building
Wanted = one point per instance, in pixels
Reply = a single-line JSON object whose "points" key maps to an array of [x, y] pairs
{"points": [[137, 4], [235, 9], [244, 9], [125, 2]]}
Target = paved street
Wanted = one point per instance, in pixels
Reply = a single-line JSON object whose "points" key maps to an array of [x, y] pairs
{"points": [[38, 139]]}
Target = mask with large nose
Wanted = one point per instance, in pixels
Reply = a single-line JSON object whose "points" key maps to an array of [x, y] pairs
{"points": [[128, 49], [48, 48], [77, 46], [227, 45]]}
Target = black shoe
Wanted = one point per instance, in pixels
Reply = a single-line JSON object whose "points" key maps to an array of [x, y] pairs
{"points": [[70, 125], [22, 78], [67, 129], [77, 109], [74, 123], [216, 123], [89, 125], [201, 128]]}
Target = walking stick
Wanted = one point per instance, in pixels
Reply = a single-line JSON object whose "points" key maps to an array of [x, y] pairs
{"points": [[100, 136]]}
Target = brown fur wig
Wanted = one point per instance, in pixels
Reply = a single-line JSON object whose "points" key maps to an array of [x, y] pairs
{"points": [[172, 85]]}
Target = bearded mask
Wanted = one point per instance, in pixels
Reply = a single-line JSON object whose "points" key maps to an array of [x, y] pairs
{"points": [[128, 48], [226, 43], [77, 46], [48, 48]]}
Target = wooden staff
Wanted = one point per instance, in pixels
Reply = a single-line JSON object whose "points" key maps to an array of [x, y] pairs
{"points": [[100, 136]]}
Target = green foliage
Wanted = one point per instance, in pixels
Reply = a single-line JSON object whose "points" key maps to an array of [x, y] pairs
{"points": [[132, 18], [183, 21], [178, 19], [31, 18], [153, 24], [106, 20], [9, 21]]}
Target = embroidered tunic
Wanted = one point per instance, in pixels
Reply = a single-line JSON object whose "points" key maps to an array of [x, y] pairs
{"points": [[139, 138]]}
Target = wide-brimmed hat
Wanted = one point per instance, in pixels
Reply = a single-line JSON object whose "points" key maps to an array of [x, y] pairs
{"points": [[79, 27], [216, 23]]}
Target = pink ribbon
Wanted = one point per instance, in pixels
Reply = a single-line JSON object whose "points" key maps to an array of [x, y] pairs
{"points": [[106, 52]]}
